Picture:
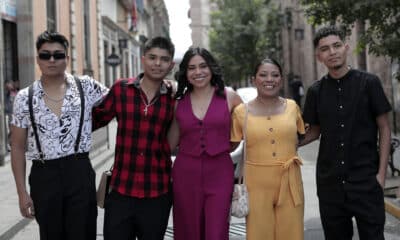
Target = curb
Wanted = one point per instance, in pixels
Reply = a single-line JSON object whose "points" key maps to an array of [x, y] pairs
{"points": [[393, 208]]}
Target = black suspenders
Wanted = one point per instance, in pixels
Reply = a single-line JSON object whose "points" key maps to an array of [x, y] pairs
{"points": [[34, 127]]}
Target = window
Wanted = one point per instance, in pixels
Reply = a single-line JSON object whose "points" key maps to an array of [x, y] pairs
{"points": [[114, 69], [86, 35], [10, 51], [51, 15], [299, 34]]}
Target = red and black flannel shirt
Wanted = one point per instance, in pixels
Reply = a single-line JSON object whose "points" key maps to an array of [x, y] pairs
{"points": [[142, 165]]}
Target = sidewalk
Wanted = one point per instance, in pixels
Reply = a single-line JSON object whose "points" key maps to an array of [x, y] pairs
{"points": [[392, 205], [312, 223], [12, 226]]}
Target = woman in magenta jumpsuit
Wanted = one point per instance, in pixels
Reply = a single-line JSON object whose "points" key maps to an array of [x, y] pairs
{"points": [[202, 173]]}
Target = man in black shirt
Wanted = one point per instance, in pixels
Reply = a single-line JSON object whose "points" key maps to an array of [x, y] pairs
{"points": [[348, 109]]}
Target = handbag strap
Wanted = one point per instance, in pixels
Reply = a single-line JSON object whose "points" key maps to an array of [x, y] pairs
{"points": [[244, 150], [34, 126]]}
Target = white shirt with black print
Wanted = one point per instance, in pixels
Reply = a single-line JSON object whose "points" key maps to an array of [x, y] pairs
{"points": [[57, 135]]}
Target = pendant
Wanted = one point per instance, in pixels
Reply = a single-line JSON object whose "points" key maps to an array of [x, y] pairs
{"points": [[145, 111]]}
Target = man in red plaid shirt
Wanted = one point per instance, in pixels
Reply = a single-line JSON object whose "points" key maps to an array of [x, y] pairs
{"points": [[140, 200]]}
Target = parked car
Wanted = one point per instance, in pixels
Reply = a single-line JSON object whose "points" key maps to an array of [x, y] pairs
{"points": [[247, 94]]}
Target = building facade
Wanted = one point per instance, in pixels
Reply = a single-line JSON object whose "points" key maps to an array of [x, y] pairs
{"points": [[297, 42], [106, 40], [9, 64], [299, 55], [126, 26], [199, 13]]}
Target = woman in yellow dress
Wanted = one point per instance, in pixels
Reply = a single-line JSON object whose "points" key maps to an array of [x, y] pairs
{"points": [[272, 168]]}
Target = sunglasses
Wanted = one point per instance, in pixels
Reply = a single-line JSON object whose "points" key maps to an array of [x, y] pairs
{"points": [[56, 56]]}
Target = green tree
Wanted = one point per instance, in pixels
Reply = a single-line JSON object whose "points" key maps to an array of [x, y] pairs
{"points": [[242, 32], [381, 18]]}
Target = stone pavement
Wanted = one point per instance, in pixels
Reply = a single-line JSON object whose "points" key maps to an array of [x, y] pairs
{"points": [[12, 226]]}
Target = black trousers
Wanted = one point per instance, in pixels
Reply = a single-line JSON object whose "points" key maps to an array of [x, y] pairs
{"points": [[64, 197], [126, 218], [367, 207]]}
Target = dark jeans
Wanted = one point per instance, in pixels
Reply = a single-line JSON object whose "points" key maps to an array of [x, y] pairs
{"points": [[366, 207], [64, 197], [128, 217]]}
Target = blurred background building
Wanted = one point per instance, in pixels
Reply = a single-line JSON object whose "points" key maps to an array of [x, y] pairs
{"points": [[297, 50]]}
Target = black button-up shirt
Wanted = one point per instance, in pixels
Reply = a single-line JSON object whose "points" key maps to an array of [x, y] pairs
{"points": [[346, 111]]}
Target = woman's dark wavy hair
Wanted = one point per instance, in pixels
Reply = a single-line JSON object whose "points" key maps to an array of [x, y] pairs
{"points": [[181, 76]]}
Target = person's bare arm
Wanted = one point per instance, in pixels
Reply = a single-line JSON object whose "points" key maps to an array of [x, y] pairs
{"points": [[312, 134], [384, 147], [18, 164], [233, 99], [173, 132], [173, 135]]}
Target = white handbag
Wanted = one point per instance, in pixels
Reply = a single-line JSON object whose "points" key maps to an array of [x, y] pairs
{"points": [[240, 196], [240, 201]]}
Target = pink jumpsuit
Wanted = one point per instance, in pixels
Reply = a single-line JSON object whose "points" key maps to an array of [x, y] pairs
{"points": [[203, 173]]}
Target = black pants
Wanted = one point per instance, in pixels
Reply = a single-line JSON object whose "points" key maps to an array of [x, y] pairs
{"points": [[127, 217], [366, 207], [64, 197]]}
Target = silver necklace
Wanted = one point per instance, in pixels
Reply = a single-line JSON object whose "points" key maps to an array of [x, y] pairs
{"points": [[146, 105], [52, 99]]}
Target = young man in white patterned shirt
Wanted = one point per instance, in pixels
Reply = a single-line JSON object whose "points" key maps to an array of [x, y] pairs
{"points": [[57, 140]]}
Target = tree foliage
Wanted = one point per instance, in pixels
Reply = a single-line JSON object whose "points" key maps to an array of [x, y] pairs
{"points": [[242, 32], [381, 18]]}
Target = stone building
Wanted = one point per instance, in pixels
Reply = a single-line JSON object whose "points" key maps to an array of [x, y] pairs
{"points": [[299, 55], [106, 40], [199, 14]]}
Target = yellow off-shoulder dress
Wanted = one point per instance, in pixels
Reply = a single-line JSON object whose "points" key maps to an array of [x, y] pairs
{"points": [[272, 173]]}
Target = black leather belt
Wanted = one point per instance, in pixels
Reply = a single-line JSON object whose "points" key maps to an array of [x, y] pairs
{"points": [[58, 161]]}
